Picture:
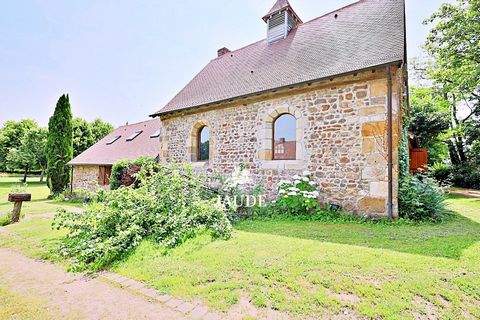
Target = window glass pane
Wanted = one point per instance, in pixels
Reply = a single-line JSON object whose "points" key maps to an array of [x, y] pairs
{"points": [[204, 144], [134, 135], [285, 144], [156, 134], [111, 141]]}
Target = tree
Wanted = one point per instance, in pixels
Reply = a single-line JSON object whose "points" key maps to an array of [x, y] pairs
{"points": [[454, 45], [82, 136], [87, 134], [100, 129], [429, 122], [31, 153], [59, 146], [11, 135]]}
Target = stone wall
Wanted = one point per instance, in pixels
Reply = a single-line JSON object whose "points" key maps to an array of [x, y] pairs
{"points": [[85, 177], [341, 138]]}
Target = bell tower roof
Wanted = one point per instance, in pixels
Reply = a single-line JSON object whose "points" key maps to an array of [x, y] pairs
{"points": [[279, 6]]}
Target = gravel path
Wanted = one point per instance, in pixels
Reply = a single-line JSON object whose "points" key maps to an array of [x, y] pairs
{"points": [[76, 296]]}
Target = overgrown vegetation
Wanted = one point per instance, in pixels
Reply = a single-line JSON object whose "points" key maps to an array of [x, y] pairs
{"points": [[167, 206], [420, 198], [124, 172]]}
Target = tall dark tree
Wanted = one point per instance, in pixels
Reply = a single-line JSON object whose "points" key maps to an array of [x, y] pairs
{"points": [[59, 146]]}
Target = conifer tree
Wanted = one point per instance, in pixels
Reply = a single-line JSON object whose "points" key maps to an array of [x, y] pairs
{"points": [[59, 146]]}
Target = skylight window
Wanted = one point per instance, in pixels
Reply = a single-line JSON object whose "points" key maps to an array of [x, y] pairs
{"points": [[134, 135], [111, 141], [156, 134]]}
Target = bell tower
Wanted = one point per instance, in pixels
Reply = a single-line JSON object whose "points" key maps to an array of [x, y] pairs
{"points": [[281, 19]]}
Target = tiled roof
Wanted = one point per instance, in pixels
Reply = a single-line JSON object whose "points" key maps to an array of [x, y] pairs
{"points": [[365, 34], [102, 153]]}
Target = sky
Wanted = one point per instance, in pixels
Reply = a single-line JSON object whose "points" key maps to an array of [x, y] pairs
{"points": [[123, 60]]}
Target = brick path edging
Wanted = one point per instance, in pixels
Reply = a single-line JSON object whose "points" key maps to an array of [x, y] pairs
{"points": [[190, 310]]}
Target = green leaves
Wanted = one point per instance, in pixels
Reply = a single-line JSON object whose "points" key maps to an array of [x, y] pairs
{"points": [[420, 198], [167, 206], [59, 146], [454, 43], [86, 134]]}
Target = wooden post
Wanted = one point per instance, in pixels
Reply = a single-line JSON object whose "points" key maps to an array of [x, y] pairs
{"points": [[17, 209], [17, 199]]}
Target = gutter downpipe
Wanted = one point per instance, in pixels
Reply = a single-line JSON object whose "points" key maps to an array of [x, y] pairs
{"points": [[390, 144], [71, 181]]}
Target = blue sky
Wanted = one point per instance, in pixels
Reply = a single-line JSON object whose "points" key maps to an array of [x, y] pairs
{"points": [[122, 60]]}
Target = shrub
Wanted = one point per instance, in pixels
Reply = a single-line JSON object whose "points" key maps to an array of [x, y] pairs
{"points": [[466, 176], [298, 196], [167, 206], [6, 219], [236, 193], [123, 172], [420, 198], [441, 172]]}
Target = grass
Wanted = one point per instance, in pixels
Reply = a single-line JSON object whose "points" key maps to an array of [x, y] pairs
{"points": [[306, 269], [15, 306], [39, 191], [309, 268]]}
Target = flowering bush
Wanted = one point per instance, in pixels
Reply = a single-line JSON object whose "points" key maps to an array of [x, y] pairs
{"points": [[167, 206], [238, 194], [299, 196]]}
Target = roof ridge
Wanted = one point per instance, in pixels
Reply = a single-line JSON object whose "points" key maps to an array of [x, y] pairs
{"points": [[134, 124], [333, 11]]}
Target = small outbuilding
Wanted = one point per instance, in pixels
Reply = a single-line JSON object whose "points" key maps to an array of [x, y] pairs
{"points": [[93, 167]]}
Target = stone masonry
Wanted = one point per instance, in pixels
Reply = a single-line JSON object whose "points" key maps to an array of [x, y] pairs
{"points": [[85, 177], [341, 138]]}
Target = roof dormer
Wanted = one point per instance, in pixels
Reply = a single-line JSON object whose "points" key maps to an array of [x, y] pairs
{"points": [[281, 19]]}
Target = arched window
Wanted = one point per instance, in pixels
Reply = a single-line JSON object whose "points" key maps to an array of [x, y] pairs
{"points": [[284, 138], [203, 144]]}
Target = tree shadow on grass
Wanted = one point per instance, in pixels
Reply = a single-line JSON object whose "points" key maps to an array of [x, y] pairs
{"points": [[446, 239]]}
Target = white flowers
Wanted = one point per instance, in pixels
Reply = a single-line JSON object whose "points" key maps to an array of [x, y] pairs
{"points": [[307, 173], [239, 177]]}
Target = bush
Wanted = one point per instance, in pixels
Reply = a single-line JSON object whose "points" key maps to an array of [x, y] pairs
{"points": [[299, 196], [420, 198], [466, 176], [462, 176], [123, 172], [6, 219], [441, 172], [236, 193], [167, 206]]}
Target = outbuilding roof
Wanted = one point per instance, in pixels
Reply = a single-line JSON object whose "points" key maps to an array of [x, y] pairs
{"points": [[127, 142], [365, 34]]}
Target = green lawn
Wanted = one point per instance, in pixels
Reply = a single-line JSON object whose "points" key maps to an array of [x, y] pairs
{"points": [[305, 269], [39, 191], [14, 306]]}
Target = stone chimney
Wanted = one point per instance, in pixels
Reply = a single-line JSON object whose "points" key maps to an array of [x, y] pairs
{"points": [[223, 51]]}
